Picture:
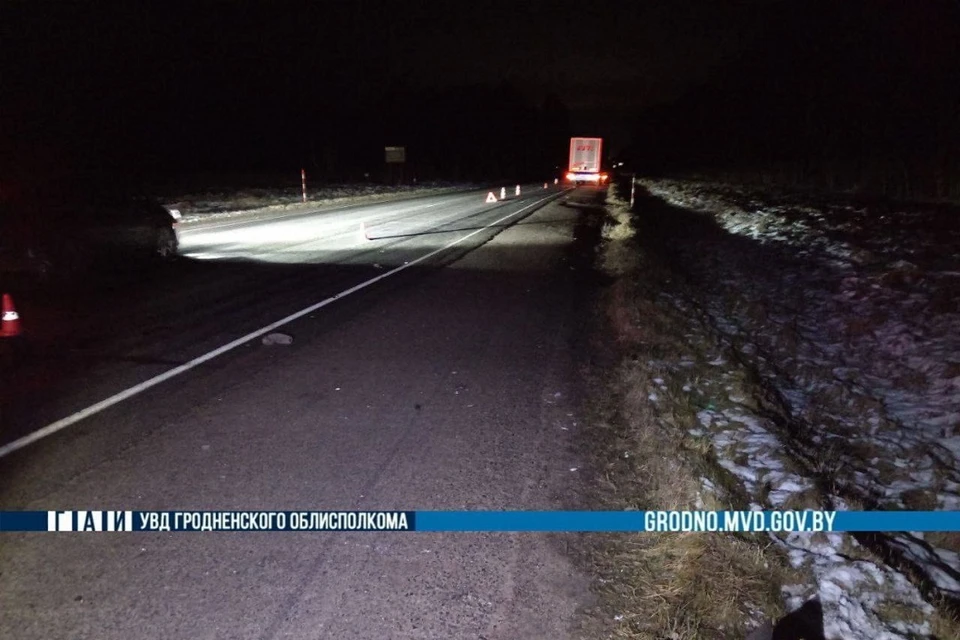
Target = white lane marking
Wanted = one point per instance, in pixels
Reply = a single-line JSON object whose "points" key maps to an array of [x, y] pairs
{"points": [[63, 423]]}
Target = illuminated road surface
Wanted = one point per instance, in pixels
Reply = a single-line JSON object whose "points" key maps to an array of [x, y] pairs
{"points": [[449, 384]]}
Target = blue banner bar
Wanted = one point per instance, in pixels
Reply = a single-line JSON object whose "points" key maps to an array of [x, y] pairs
{"points": [[481, 521], [723, 521], [894, 521], [23, 520], [610, 521]]}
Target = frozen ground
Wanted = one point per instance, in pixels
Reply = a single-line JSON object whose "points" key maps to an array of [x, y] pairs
{"points": [[838, 379]]}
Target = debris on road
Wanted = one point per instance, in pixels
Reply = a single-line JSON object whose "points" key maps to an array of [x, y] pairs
{"points": [[277, 338]]}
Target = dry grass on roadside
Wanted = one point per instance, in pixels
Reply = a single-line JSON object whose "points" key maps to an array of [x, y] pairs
{"points": [[678, 586], [693, 585], [945, 625], [697, 585]]}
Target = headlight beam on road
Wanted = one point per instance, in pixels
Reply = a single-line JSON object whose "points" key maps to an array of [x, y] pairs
{"points": [[137, 389]]}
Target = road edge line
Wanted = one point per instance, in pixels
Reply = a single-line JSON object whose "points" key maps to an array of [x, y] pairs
{"points": [[117, 398]]}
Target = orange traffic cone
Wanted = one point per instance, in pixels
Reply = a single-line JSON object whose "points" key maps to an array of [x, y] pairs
{"points": [[10, 322]]}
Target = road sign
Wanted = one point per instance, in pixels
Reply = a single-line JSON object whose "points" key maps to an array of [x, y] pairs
{"points": [[395, 155]]}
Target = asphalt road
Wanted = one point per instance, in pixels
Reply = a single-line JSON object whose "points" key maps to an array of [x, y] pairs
{"points": [[107, 333], [450, 383]]}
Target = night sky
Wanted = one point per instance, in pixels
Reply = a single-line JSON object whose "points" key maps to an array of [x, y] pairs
{"points": [[472, 89]]}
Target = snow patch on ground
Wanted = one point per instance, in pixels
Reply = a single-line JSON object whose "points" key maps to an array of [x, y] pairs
{"points": [[850, 317]]}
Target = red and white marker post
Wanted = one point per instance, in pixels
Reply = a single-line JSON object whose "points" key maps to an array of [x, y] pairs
{"points": [[303, 183]]}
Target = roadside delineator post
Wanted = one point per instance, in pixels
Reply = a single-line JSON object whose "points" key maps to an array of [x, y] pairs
{"points": [[633, 187], [491, 197], [363, 237], [518, 189], [10, 320], [503, 193], [556, 181], [303, 183], [544, 185]]}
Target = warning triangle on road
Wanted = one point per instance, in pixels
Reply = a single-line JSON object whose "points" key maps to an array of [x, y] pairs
{"points": [[491, 197]]}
